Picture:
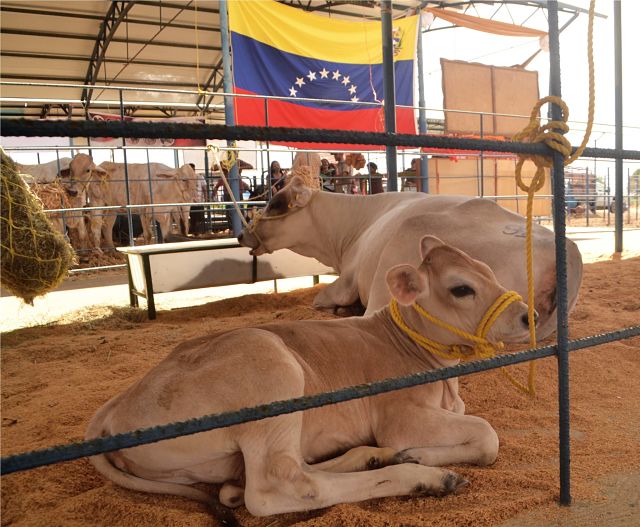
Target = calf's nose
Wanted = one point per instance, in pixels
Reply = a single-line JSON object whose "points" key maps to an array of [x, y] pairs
{"points": [[525, 319], [72, 192]]}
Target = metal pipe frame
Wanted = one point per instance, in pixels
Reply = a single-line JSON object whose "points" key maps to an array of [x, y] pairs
{"points": [[114, 16], [80, 36], [88, 16]]}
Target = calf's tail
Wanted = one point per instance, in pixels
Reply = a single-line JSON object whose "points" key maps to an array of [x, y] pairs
{"points": [[103, 465]]}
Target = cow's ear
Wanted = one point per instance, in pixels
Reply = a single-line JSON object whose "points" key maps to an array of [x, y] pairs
{"points": [[65, 173], [428, 243], [165, 174], [299, 192], [405, 283]]}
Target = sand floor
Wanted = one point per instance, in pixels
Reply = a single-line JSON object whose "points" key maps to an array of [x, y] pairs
{"points": [[55, 376]]}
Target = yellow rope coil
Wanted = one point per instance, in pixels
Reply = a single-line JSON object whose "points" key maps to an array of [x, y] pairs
{"points": [[552, 135]]}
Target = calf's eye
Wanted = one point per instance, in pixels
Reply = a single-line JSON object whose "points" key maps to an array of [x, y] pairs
{"points": [[461, 291]]}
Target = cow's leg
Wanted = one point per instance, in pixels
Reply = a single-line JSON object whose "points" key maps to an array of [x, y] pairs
{"points": [[436, 437], [108, 221], [95, 230], [279, 481], [363, 458], [340, 293], [355, 460]]}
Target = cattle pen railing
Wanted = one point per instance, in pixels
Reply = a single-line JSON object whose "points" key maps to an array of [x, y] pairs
{"points": [[560, 350]]}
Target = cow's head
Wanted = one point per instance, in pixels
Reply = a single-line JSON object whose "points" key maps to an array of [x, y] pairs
{"points": [[81, 172], [454, 288], [284, 223]]}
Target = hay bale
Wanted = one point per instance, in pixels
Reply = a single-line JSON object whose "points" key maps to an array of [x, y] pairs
{"points": [[34, 257], [304, 172]]}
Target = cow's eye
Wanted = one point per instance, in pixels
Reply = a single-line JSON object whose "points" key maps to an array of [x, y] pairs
{"points": [[461, 291]]}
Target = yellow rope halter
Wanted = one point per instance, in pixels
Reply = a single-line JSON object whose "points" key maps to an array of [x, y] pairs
{"points": [[482, 348], [552, 135]]}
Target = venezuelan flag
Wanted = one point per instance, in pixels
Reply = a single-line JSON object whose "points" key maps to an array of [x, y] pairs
{"points": [[283, 51]]}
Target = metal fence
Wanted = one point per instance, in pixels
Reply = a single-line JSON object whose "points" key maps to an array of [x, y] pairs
{"points": [[560, 350]]}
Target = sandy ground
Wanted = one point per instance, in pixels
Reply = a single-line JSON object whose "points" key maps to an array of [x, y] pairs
{"points": [[55, 376]]}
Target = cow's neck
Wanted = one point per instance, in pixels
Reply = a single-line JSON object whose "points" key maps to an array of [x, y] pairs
{"points": [[339, 221], [407, 348]]}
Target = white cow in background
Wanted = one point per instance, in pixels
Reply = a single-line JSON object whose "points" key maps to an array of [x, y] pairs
{"points": [[46, 172], [148, 183], [299, 461], [362, 237]]}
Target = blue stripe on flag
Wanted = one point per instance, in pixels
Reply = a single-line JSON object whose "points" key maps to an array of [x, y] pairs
{"points": [[265, 70]]}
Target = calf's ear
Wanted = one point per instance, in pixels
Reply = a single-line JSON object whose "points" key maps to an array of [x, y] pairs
{"points": [[65, 173], [428, 243], [406, 283]]}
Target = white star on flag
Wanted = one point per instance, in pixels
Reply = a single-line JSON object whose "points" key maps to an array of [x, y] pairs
{"points": [[354, 99], [352, 89], [312, 75], [345, 80], [292, 91], [336, 75], [324, 73], [299, 82]]}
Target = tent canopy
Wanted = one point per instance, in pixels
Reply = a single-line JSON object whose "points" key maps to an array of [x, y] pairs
{"points": [[146, 44]]}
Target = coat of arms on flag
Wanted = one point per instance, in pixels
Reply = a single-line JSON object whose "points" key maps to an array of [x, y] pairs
{"points": [[282, 51]]}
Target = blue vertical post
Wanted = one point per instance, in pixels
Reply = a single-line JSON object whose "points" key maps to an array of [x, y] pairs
{"points": [[389, 92], [234, 180], [422, 112], [559, 225], [617, 37], [126, 180]]}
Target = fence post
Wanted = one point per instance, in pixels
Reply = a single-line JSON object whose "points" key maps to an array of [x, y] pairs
{"points": [[559, 224], [126, 177]]}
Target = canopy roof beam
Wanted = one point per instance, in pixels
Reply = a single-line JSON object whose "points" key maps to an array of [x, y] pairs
{"points": [[115, 15], [88, 16]]}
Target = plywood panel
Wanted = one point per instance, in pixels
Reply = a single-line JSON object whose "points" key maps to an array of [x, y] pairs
{"points": [[515, 92], [466, 86], [487, 89]]}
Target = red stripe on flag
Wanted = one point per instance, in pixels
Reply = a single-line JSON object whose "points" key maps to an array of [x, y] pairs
{"points": [[253, 112]]}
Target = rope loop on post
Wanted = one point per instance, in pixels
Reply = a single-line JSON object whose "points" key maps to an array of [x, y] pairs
{"points": [[551, 134]]}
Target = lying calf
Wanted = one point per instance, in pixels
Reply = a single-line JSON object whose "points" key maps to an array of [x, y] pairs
{"points": [[318, 458], [362, 237]]}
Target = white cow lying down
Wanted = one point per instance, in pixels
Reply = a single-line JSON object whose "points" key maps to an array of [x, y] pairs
{"points": [[315, 459], [362, 237]]}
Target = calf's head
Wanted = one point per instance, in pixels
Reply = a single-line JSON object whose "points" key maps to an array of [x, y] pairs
{"points": [[81, 172], [284, 223], [454, 288]]}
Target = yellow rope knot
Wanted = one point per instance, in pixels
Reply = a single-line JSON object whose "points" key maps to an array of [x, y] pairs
{"points": [[552, 135]]}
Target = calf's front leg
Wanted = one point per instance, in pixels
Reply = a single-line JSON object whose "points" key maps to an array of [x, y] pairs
{"points": [[437, 437]]}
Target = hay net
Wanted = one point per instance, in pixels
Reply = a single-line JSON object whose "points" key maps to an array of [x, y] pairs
{"points": [[34, 258]]}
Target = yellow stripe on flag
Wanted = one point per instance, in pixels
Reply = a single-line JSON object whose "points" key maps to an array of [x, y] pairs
{"points": [[295, 31]]}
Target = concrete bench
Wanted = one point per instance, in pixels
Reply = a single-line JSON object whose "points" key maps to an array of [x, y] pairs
{"points": [[166, 267]]}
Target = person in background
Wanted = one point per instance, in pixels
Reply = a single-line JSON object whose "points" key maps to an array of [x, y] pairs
{"points": [[376, 178], [276, 177], [343, 179], [327, 171]]}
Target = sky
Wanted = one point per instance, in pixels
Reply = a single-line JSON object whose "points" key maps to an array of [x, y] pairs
{"points": [[474, 46]]}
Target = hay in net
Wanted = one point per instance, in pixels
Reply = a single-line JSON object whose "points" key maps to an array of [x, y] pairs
{"points": [[34, 257]]}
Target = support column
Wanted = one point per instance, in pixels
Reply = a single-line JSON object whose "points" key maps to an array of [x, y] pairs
{"points": [[422, 113], [559, 225], [389, 92], [617, 39], [229, 117]]}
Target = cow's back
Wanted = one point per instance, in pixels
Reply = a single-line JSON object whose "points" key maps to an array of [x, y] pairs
{"points": [[479, 227]]}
